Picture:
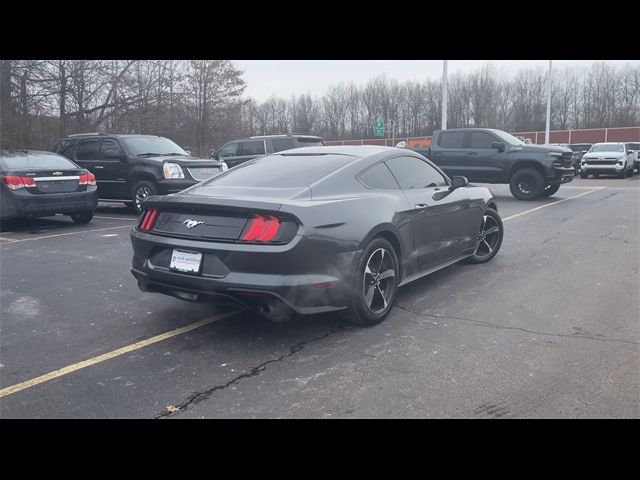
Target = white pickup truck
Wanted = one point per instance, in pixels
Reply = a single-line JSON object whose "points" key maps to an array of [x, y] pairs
{"points": [[612, 158]]}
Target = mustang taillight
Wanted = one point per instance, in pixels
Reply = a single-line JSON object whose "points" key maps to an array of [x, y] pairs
{"points": [[14, 182], [87, 179], [148, 219], [261, 228]]}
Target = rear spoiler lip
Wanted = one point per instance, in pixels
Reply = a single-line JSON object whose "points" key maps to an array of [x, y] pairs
{"points": [[207, 201]]}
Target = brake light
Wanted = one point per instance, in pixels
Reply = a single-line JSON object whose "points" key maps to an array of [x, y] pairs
{"points": [[148, 219], [261, 228], [15, 182], [87, 179]]}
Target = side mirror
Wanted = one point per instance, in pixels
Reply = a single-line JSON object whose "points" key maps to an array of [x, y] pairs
{"points": [[498, 145], [630, 152], [188, 152], [457, 182], [114, 154]]}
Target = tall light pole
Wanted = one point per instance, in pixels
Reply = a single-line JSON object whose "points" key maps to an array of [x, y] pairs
{"points": [[444, 95], [546, 129]]}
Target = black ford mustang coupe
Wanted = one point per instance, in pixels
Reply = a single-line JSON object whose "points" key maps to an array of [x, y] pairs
{"points": [[313, 230]]}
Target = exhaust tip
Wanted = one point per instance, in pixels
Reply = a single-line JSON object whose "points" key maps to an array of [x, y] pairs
{"points": [[143, 286], [189, 297]]}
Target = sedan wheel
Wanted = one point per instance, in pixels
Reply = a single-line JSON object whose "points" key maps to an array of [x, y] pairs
{"points": [[379, 280], [376, 284], [489, 237]]}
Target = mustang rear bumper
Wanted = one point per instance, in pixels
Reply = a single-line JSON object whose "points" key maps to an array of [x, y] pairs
{"points": [[305, 280]]}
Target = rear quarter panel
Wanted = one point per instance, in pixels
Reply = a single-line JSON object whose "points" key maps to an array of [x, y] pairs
{"points": [[342, 224]]}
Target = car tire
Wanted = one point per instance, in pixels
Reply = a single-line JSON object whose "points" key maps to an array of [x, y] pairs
{"points": [[82, 217], [630, 172], [527, 184], [584, 174], [490, 237], [550, 190], [140, 191], [622, 174], [372, 297]]}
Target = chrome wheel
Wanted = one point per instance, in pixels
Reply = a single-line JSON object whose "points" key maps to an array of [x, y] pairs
{"points": [[142, 192], [488, 237], [379, 280]]}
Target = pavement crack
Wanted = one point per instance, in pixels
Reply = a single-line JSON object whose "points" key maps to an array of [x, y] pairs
{"points": [[254, 371], [504, 327]]}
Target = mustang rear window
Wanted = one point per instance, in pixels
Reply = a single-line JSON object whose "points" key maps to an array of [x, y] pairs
{"points": [[281, 171]]}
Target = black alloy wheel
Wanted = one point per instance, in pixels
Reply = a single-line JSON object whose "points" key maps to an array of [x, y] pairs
{"points": [[375, 284], [489, 237], [550, 190], [527, 184]]}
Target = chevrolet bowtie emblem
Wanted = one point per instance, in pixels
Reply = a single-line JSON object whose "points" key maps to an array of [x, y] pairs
{"points": [[192, 223], [56, 173]]}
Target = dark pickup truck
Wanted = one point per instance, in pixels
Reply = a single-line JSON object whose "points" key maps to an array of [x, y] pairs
{"points": [[486, 155]]}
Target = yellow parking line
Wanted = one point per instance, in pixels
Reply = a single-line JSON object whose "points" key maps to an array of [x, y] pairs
{"points": [[109, 355], [552, 203], [69, 233]]}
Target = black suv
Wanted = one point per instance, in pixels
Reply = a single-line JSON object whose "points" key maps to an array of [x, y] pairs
{"points": [[128, 168], [239, 151], [486, 155]]}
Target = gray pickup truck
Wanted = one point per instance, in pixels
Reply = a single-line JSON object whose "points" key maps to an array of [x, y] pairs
{"points": [[485, 155]]}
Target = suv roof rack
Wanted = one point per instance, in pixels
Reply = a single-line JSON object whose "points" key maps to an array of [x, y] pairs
{"points": [[81, 134]]}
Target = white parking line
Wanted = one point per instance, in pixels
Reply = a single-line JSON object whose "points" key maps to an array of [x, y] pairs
{"points": [[64, 234], [109, 355], [552, 203], [7, 239]]}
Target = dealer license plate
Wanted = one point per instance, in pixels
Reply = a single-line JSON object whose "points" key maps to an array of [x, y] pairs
{"points": [[185, 261]]}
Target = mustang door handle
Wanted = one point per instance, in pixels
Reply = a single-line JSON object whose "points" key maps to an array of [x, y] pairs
{"points": [[420, 206], [98, 166]]}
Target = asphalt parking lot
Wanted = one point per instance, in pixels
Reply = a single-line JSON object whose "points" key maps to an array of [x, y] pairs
{"points": [[549, 328]]}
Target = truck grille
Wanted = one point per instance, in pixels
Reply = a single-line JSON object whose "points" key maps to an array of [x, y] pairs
{"points": [[601, 162], [203, 173], [567, 159]]}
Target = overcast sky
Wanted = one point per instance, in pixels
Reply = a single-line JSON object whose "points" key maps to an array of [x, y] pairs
{"points": [[284, 78]]}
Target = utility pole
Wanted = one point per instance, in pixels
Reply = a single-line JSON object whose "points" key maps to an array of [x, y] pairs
{"points": [[444, 95], [546, 130]]}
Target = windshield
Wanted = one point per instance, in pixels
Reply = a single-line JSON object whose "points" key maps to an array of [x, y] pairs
{"points": [[508, 138], [310, 142], [580, 147], [152, 146], [607, 147]]}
